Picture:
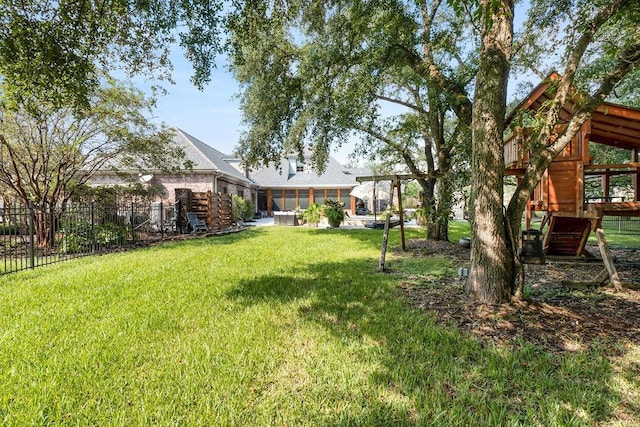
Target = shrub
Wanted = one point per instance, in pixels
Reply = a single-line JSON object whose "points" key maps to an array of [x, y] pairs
{"points": [[110, 233], [9, 229], [421, 217], [313, 214], [242, 210], [76, 236]]}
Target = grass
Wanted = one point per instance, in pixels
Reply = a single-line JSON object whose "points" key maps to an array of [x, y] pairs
{"points": [[272, 326], [618, 240]]}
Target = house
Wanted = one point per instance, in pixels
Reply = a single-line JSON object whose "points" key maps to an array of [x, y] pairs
{"points": [[290, 185], [211, 171], [294, 184]]}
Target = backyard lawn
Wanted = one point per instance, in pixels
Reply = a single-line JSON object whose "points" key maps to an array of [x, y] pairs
{"points": [[276, 326]]}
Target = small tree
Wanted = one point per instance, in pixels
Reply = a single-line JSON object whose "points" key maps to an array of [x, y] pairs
{"points": [[48, 153]]}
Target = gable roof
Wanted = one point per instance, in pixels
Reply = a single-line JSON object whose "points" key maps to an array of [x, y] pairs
{"points": [[611, 124], [334, 176], [206, 158]]}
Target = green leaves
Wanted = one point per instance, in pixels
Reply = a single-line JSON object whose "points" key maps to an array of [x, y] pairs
{"points": [[53, 50], [47, 152]]}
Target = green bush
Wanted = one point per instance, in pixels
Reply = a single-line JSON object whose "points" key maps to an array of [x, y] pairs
{"points": [[313, 214], [76, 236], [6, 230], [110, 233], [242, 209], [73, 243], [421, 216]]}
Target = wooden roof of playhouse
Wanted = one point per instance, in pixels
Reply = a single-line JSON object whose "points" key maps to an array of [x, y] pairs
{"points": [[562, 187], [561, 192]]}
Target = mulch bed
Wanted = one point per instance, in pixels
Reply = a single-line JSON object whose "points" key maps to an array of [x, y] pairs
{"points": [[554, 316]]}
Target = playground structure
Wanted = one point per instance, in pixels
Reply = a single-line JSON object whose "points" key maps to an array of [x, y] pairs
{"points": [[560, 198], [561, 192]]}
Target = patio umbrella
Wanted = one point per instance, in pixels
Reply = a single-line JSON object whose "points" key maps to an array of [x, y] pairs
{"points": [[373, 190], [365, 190]]}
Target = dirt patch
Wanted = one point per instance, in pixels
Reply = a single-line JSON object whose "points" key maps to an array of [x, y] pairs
{"points": [[555, 316]]}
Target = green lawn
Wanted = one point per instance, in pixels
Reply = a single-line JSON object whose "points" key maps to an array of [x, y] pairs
{"points": [[271, 326], [618, 240]]}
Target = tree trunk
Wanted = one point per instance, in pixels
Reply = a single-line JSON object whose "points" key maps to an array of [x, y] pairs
{"points": [[43, 226], [492, 272], [444, 206], [428, 203]]}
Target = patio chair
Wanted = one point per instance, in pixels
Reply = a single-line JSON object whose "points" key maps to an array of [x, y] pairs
{"points": [[195, 223]]}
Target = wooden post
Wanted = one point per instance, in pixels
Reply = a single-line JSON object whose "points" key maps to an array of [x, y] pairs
{"points": [[397, 184], [528, 216], [635, 178], [605, 186], [385, 235], [375, 216], [608, 260], [636, 185], [209, 209], [579, 188]]}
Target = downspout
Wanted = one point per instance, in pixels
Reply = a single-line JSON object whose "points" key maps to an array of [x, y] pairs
{"points": [[216, 175]]}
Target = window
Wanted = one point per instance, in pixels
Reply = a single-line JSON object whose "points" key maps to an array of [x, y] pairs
{"points": [[262, 200], [290, 200], [300, 167], [275, 202], [303, 199], [345, 198]]}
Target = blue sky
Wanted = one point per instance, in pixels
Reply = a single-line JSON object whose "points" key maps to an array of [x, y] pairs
{"points": [[212, 115]]}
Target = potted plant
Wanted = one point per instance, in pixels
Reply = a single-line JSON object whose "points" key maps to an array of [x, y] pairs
{"points": [[334, 211]]}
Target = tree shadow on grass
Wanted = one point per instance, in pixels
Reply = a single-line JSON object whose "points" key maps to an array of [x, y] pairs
{"points": [[370, 238], [219, 239], [428, 373]]}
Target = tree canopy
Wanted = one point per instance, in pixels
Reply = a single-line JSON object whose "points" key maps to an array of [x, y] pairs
{"points": [[56, 50], [393, 75], [49, 153]]}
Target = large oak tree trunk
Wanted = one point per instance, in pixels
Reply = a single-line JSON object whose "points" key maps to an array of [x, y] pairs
{"points": [[492, 273]]}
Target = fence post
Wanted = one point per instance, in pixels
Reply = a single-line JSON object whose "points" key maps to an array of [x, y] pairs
{"points": [[93, 226], [179, 217], [32, 257], [133, 226], [161, 220]]}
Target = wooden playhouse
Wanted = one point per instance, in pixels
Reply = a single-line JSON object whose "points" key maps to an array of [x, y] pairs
{"points": [[560, 198]]}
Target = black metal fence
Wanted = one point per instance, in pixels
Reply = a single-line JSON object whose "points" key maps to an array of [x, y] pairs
{"points": [[34, 237]]}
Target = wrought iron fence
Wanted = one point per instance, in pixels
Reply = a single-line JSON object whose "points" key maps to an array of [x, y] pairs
{"points": [[32, 237]]}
